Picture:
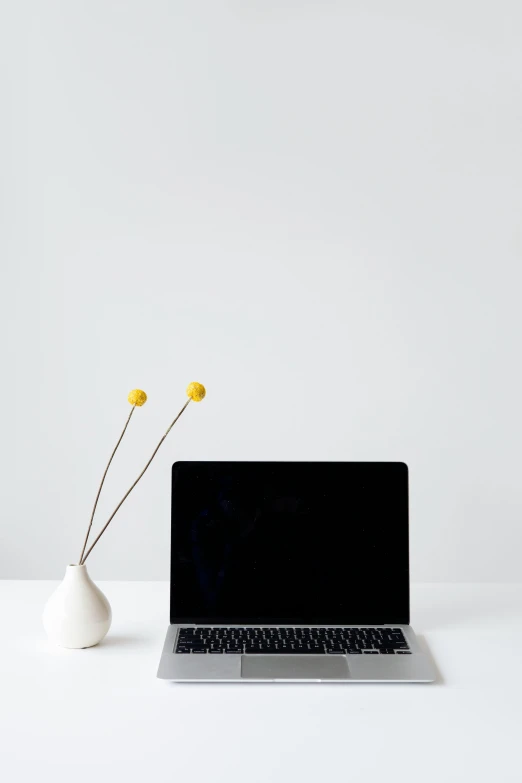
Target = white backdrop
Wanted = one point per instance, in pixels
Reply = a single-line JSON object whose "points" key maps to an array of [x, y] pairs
{"points": [[313, 208]]}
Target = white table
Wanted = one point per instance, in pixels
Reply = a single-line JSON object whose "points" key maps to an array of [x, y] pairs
{"points": [[101, 715]]}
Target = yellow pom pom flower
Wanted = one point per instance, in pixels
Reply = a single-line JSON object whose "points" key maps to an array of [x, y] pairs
{"points": [[196, 391], [137, 397]]}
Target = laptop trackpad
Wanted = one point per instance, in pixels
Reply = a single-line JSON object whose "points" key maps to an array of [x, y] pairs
{"points": [[294, 667]]}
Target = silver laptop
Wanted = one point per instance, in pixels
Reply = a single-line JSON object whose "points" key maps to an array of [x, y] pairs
{"points": [[291, 571]]}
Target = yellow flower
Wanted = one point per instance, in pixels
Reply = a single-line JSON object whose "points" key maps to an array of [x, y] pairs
{"points": [[196, 391], [137, 397]]}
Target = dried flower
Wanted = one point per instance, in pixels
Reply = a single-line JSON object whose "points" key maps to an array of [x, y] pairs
{"points": [[137, 397], [196, 391]]}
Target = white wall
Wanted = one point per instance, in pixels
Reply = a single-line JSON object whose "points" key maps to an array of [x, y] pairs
{"points": [[313, 208]]}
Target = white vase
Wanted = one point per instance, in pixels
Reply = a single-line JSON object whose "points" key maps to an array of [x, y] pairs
{"points": [[77, 614]]}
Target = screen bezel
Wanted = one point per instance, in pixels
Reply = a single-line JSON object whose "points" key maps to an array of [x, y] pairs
{"points": [[401, 613]]}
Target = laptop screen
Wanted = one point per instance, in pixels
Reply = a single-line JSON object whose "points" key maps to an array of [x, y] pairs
{"points": [[295, 543]]}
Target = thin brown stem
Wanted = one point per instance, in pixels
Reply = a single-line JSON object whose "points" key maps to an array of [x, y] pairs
{"points": [[124, 498], [102, 481]]}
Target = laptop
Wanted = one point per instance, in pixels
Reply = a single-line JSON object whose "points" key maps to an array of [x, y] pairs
{"points": [[291, 572]]}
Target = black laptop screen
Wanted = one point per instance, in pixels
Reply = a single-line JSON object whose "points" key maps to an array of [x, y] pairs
{"points": [[290, 542]]}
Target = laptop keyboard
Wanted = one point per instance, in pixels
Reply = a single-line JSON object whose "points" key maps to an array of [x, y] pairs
{"points": [[294, 641]]}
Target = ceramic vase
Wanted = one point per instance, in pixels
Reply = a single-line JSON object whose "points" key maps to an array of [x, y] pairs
{"points": [[77, 614]]}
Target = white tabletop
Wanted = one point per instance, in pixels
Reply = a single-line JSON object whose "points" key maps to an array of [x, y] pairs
{"points": [[101, 715]]}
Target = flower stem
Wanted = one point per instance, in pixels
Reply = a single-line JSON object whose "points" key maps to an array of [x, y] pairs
{"points": [[124, 498], [102, 482]]}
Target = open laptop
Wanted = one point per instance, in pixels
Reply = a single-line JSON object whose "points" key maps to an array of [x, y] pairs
{"points": [[291, 571]]}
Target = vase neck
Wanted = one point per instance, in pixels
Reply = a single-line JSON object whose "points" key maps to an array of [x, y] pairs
{"points": [[76, 573]]}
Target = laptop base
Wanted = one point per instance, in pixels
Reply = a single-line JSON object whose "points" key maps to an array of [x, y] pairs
{"points": [[416, 667]]}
